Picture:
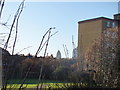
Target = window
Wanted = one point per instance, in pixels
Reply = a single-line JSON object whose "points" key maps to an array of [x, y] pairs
{"points": [[113, 24], [108, 24]]}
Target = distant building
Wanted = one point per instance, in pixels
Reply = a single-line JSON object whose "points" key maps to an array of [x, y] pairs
{"points": [[58, 55], [75, 53], [89, 30]]}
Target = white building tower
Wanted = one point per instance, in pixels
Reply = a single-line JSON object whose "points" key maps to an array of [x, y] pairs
{"points": [[58, 55], [74, 53]]}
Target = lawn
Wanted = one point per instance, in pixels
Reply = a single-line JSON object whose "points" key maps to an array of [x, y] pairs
{"points": [[18, 85], [45, 85], [32, 83]]}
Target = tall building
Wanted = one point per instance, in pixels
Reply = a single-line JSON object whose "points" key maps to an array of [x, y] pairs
{"points": [[58, 55], [74, 53], [91, 29]]}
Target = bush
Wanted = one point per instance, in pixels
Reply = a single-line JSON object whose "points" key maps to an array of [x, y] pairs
{"points": [[61, 73]]}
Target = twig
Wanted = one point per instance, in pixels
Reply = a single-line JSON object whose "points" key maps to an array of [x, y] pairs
{"points": [[46, 42], [1, 7], [42, 42], [41, 69], [17, 28], [26, 75], [36, 56], [0, 2], [17, 15], [11, 29], [23, 49]]}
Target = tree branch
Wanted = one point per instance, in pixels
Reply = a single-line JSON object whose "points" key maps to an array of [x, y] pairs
{"points": [[17, 28], [2, 5], [11, 29]]}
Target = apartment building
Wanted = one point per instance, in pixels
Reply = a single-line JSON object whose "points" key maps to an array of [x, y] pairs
{"points": [[91, 29]]}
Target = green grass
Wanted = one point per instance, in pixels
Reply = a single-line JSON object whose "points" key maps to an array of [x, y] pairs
{"points": [[18, 85], [46, 85], [32, 83]]}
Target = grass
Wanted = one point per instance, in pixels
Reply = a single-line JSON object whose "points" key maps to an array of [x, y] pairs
{"points": [[46, 85], [32, 83], [18, 85]]}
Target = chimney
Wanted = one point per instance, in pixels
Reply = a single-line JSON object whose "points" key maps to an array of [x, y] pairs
{"points": [[117, 16]]}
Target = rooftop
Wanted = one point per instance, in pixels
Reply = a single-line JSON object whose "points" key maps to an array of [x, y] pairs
{"points": [[89, 20]]}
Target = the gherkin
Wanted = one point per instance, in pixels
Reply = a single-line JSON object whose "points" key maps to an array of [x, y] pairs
{"points": [[58, 55]]}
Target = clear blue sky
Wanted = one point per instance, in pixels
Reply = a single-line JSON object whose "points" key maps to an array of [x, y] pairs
{"points": [[38, 17]]}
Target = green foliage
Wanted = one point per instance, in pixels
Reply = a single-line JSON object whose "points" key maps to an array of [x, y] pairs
{"points": [[61, 73]]}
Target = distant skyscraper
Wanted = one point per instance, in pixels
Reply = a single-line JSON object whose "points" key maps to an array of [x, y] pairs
{"points": [[74, 53], [58, 55]]}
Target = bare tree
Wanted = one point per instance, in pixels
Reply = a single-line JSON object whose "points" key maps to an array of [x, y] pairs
{"points": [[2, 2], [17, 15], [22, 6], [16, 19], [38, 51], [102, 57]]}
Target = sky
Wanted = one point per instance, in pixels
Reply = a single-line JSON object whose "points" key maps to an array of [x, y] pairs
{"points": [[38, 17]]}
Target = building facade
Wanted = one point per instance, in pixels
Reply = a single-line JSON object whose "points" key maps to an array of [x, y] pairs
{"points": [[99, 48], [89, 30]]}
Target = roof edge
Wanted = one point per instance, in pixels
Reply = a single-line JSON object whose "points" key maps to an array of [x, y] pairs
{"points": [[96, 19]]}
